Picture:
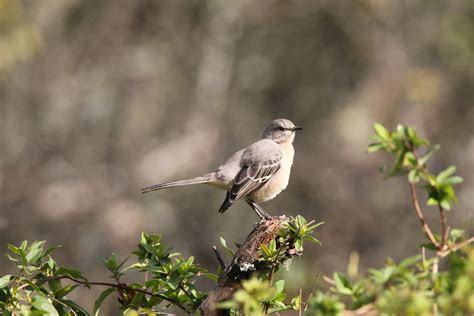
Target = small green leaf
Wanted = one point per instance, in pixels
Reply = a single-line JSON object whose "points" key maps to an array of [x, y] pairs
{"points": [[279, 286], [100, 300], [374, 147], [409, 160], [312, 239], [224, 244], [413, 176], [5, 280], [312, 227], [432, 201], [443, 175], [453, 180], [65, 290], [79, 310], [211, 276], [423, 160], [445, 204], [299, 245], [342, 283], [381, 131]]}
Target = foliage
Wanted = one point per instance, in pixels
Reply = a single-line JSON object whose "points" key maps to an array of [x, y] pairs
{"points": [[41, 286], [418, 285], [415, 286], [403, 143]]}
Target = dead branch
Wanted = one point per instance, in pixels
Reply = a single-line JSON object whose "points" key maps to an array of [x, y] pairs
{"points": [[243, 264]]}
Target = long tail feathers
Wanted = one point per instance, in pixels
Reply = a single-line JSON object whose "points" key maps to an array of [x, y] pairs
{"points": [[202, 179], [228, 202]]}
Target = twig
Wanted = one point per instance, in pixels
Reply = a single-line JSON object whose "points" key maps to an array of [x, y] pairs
{"points": [[444, 253], [300, 312], [442, 220], [117, 286], [304, 305], [59, 302], [218, 257], [274, 262], [421, 217]]}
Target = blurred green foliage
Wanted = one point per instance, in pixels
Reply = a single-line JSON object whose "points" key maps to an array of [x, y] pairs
{"points": [[169, 279]]}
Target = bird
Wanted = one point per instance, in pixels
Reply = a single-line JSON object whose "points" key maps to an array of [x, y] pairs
{"points": [[257, 173]]}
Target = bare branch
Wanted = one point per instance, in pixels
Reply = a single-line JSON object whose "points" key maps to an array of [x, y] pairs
{"points": [[218, 257], [421, 217], [455, 248]]}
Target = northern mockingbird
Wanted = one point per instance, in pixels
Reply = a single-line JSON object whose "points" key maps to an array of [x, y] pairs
{"points": [[257, 173]]}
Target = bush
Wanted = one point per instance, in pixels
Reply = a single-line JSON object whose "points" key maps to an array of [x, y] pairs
{"points": [[414, 286]]}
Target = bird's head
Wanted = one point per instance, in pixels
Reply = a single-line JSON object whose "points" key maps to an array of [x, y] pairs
{"points": [[281, 131]]}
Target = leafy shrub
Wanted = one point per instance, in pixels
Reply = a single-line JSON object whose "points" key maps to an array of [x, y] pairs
{"points": [[414, 286]]}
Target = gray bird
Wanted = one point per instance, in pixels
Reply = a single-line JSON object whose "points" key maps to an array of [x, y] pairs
{"points": [[257, 173]]}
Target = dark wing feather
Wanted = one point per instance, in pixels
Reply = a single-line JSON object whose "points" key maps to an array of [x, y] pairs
{"points": [[249, 179]]}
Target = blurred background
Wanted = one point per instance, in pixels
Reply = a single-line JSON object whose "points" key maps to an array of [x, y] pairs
{"points": [[101, 98]]}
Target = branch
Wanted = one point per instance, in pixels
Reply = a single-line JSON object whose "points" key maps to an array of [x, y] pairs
{"points": [[243, 265], [117, 286], [421, 217], [442, 220], [455, 248], [218, 257]]}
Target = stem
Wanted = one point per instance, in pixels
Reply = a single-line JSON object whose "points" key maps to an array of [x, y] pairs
{"points": [[300, 312], [455, 248], [218, 257], [442, 220], [421, 217], [117, 286]]}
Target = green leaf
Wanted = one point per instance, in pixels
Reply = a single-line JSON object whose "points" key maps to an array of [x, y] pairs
{"points": [[65, 290], [79, 310], [54, 285], [34, 252], [100, 300], [342, 283], [445, 204], [44, 304], [227, 305], [299, 245], [5, 280], [397, 165], [374, 147], [312, 239], [266, 251], [312, 227], [453, 180], [423, 160], [296, 302], [224, 244], [409, 261], [381, 131], [279, 287], [409, 160], [211, 276], [443, 175], [70, 272], [432, 201], [413, 176]]}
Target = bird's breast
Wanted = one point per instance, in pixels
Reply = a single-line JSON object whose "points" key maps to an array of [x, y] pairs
{"points": [[279, 181]]}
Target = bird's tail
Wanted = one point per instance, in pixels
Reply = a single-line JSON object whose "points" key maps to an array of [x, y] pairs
{"points": [[201, 179]]}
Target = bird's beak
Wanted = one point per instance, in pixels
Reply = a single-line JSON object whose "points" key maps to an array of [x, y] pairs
{"points": [[297, 128]]}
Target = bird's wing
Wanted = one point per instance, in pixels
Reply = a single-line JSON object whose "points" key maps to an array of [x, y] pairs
{"points": [[255, 172], [253, 177]]}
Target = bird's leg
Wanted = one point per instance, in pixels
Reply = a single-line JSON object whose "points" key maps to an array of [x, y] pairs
{"points": [[258, 209]]}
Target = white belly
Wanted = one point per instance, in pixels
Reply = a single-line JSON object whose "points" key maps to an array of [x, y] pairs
{"points": [[279, 181]]}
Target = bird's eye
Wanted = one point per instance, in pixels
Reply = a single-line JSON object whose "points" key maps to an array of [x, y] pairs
{"points": [[280, 128]]}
